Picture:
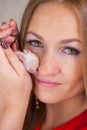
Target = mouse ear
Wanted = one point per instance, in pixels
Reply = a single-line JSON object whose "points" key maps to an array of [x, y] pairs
{"points": [[26, 51]]}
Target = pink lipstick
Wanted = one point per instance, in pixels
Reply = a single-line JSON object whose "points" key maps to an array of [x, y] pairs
{"points": [[48, 84]]}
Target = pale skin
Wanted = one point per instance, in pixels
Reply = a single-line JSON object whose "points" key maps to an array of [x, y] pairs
{"points": [[57, 64], [15, 82]]}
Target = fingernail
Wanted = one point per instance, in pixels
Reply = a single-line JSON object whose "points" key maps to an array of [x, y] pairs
{"points": [[11, 19], [4, 44], [3, 23]]}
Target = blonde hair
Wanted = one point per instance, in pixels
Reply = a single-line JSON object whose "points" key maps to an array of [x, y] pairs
{"points": [[33, 116]]}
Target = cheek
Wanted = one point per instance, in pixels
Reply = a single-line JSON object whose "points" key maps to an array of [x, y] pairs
{"points": [[71, 77], [38, 51], [73, 71]]}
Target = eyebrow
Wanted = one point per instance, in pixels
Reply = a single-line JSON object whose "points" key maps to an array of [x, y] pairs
{"points": [[70, 40], [65, 41], [36, 35]]}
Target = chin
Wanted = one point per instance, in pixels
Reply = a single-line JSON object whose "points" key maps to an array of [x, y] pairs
{"points": [[46, 97]]}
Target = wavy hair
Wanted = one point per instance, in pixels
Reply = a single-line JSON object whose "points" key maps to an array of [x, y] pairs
{"points": [[33, 116]]}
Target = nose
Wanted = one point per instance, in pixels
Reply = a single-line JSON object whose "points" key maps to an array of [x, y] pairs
{"points": [[49, 65]]}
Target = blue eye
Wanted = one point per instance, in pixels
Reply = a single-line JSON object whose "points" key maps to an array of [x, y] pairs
{"points": [[71, 51], [35, 43]]}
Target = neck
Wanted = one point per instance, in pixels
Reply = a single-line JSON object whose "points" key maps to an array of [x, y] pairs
{"points": [[65, 111]]}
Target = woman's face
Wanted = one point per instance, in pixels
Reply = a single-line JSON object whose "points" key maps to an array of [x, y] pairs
{"points": [[54, 35]]}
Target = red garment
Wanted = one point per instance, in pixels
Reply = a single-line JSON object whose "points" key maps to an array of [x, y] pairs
{"points": [[77, 123]]}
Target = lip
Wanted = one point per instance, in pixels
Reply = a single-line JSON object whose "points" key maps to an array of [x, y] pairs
{"points": [[48, 84]]}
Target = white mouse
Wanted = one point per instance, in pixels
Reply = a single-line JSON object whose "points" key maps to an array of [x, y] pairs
{"points": [[29, 60]]}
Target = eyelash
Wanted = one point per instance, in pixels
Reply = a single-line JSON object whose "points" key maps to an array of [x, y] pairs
{"points": [[33, 42], [68, 50], [71, 51]]}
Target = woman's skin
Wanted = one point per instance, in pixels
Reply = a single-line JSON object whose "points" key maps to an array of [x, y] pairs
{"points": [[15, 82], [9, 32], [54, 35], [59, 81]]}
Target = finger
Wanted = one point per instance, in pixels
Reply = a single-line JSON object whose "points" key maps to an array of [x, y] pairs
{"points": [[4, 26], [13, 24], [13, 42], [5, 67], [14, 46], [9, 61], [14, 61], [10, 39], [4, 34], [3, 23], [3, 59]]}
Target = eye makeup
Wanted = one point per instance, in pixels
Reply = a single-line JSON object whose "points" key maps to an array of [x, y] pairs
{"points": [[35, 43], [71, 51]]}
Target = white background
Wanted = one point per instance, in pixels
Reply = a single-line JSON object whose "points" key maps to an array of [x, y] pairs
{"points": [[12, 9]]}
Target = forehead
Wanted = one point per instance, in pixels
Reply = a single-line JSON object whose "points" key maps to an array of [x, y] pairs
{"points": [[55, 19]]}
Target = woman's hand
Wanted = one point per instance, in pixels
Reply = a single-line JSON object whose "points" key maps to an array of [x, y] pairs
{"points": [[11, 65], [15, 82], [9, 32], [15, 89]]}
